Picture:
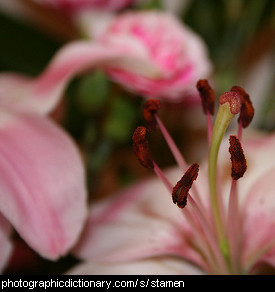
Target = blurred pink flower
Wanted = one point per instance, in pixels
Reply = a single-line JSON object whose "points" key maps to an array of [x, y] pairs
{"points": [[150, 53], [227, 226], [160, 38], [72, 6]]}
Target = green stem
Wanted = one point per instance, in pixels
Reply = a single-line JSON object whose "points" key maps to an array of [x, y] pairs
{"points": [[224, 116]]}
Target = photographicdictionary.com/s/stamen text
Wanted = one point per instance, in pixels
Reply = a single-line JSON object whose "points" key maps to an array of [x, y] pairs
{"points": [[87, 283]]}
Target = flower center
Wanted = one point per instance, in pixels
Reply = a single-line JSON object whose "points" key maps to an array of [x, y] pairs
{"points": [[221, 229]]}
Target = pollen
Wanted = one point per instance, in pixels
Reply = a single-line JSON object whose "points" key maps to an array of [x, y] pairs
{"points": [[207, 96], [247, 109], [141, 148], [150, 108], [234, 99], [183, 186], [237, 158]]}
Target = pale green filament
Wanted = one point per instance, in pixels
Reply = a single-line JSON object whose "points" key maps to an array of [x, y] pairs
{"points": [[224, 116]]}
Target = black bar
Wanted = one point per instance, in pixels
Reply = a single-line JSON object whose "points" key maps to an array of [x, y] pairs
{"points": [[211, 283]]}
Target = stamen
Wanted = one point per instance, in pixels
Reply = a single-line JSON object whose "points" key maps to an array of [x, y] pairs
{"points": [[207, 96], [208, 102], [141, 148], [237, 157], [247, 109], [234, 221], [172, 145], [150, 115], [181, 189], [234, 227], [163, 178], [179, 196], [150, 108], [209, 236]]}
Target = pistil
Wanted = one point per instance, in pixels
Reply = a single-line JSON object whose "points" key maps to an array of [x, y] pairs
{"points": [[230, 105]]}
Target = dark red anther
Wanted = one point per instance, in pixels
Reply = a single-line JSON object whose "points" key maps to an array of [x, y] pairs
{"points": [[181, 189], [247, 109], [237, 158], [150, 108], [141, 148], [207, 96]]}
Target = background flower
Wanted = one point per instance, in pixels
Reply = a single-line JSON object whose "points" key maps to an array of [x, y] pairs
{"points": [[150, 53], [180, 54]]}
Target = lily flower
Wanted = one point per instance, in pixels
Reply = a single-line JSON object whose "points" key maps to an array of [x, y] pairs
{"points": [[42, 180], [150, 53], [207, 219]]}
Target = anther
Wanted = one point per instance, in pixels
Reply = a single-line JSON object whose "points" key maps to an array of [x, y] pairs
{"points": [[237, 157], [181, 189], [247, 109], [150, 108], [141, 148], [207, 96], [234, 99]]}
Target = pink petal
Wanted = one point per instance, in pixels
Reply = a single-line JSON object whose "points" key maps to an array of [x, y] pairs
{"points": [[42, 188], [141, 221], [157, 266], [40, 95], [260, 152], [259, 221], [5, 243]]}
